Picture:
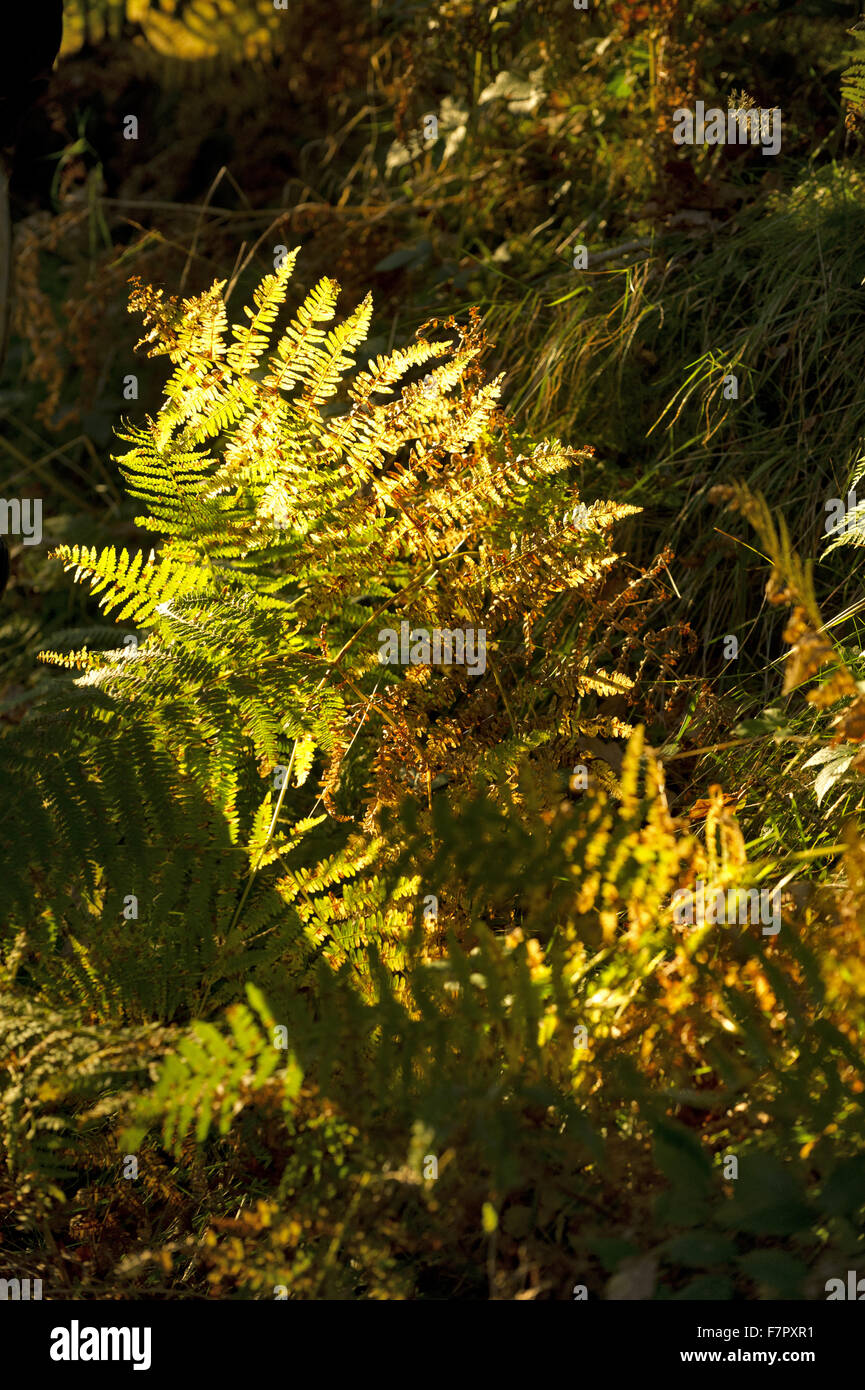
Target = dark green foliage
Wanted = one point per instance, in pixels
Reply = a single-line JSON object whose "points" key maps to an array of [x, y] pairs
{"points": [[382, 999]]}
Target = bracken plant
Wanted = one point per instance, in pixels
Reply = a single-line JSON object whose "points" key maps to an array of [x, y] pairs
{"points": [[330, 977]]}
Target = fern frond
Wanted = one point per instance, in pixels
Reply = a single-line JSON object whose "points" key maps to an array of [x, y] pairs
{"points": [[138, 587]]}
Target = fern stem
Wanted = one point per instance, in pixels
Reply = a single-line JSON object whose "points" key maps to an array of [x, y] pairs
{"points": [[276, 810], [735, 743], [428, 573]]}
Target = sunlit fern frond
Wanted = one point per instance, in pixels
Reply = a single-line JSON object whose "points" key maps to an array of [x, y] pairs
{"points": [[853, 76], [187, 41]]}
